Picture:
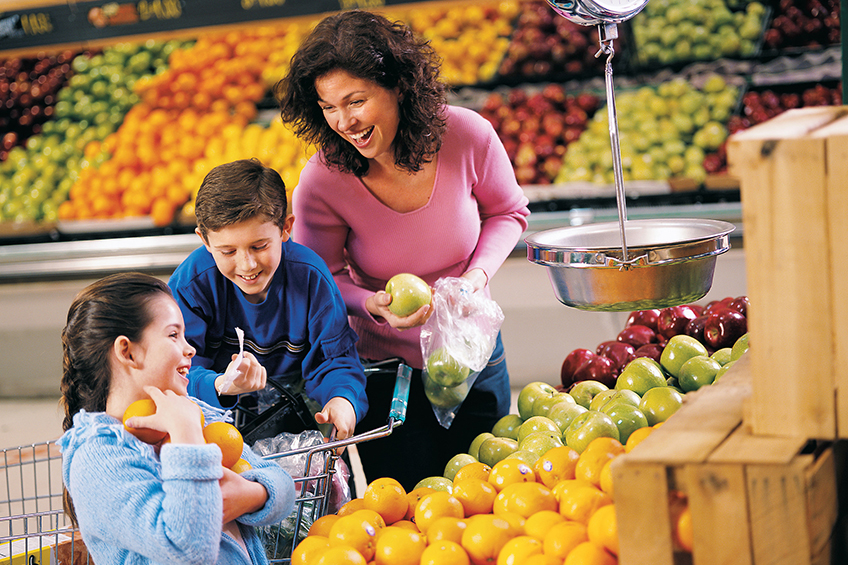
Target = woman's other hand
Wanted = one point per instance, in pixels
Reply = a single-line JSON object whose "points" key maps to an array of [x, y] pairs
{"points": [[477, 278]]}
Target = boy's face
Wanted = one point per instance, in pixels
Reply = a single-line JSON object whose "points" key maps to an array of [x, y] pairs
{"points": [[248, 253]]}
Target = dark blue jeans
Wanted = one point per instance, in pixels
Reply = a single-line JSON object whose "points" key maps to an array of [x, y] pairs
{"points": [[421, 447]]}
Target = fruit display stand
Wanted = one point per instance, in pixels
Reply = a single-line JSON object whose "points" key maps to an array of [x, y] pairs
{"points": [[754, 499]]}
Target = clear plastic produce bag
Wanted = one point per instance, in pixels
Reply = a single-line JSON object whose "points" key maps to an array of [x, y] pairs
{"points": [[456, 343]]}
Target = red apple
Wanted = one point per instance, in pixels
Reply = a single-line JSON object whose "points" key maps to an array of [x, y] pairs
{"points": [[650, 350], [643, 318], [572, 362], [637, 335], [713, 305], [724, 327], [598, 368], [672, 320], [740, 304], [695, 328], [621, 353]]}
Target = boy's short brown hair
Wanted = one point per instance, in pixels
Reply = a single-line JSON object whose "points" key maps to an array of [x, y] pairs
{"points": [[239, 191]]}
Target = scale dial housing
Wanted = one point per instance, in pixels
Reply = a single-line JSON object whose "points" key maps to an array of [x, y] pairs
{"points": [[596, 12]]}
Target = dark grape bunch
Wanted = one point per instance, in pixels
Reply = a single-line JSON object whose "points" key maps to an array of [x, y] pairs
{"points": [[804, 23]]}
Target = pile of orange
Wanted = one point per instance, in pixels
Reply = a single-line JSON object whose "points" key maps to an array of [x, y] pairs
{"points": [[560, 511]]}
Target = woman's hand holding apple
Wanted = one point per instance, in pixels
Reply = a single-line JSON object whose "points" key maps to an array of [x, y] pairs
{"points": [[378, 306], [251, 376]]}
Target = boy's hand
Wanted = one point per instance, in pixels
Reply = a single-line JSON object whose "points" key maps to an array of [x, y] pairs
{"points": [[251, 376], [378, 306], [339, 412]]}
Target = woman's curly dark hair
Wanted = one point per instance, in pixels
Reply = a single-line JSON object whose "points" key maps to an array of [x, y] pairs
{"points": [[370, 47]]}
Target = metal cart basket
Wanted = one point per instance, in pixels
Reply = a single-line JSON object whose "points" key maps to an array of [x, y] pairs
{"points": [[34, 530]]}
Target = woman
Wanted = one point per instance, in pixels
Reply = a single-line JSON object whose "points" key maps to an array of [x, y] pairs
{"points": [[402, 182]]}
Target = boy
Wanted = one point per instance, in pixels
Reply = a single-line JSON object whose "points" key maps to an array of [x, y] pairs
{"points": [[281, 294]]}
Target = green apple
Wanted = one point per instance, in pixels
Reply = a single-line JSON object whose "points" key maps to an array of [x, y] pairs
{"points": [[739, 348], [456, 463], [627, 418], [658, 404], [563, 414], [536, 424], [679, 349], [540, 442], [474, 448], [436, 483], [641, 375], [527, 457], [724, 368], [508, 426], [542, 406], [447, 397], [588, 426], [445, 370], [612, 396], [722, 356], [409, 293], [530, 393], [584, 391], [495, 448], [697, 372]]}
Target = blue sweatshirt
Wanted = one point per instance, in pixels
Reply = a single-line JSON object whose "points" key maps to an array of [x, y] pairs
{"points": [[136, 507], [301, 325]]}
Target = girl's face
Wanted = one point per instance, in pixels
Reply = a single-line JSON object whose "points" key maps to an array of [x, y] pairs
{"points": [[163, 354], [361, 111]]}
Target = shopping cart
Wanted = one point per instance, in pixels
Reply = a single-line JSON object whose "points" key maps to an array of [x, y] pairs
{"points": [[34, 530]]}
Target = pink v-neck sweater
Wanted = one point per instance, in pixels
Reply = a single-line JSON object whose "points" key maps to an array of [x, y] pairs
{"points": [[475, 216]]}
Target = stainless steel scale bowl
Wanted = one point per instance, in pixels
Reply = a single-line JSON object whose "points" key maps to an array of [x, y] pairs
{"points": [[591, 267]]}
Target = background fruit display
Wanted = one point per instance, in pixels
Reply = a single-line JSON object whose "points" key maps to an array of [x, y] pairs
{"points": [[673, 31], [666, 133], [798, 23]]}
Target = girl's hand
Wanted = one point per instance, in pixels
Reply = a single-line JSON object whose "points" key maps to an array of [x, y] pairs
{"points": [[378, 306], [251, 376], [339, 412], [240, 495], [175, 414]]}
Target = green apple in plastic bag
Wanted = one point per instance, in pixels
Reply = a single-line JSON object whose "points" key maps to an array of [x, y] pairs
{"points": [[444, 370]]}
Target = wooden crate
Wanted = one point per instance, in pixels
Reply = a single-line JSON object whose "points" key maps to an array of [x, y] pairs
{"points": [[793, 173], [755, 500]]}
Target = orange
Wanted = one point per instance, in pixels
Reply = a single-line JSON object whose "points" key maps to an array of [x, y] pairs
{"points": [[516, 522], [408, 524], [538, 524], [309, 550], [683, 529], [476, 495], [399, 546], [241, 466], [580, 504], [144, 407], [387, 497], [351, 506], [354, 532], [371, 517], [556, 465], [563, 537], [340, 555], [525, 499], [484, 538], [413, 497], [444, 553], [435, 505], [228, 438], [603, 528], [321, 526], [542, 559], [606, 478], [508, 471], [562, 488], [518, 549], [592, 460], [446, 528], [473, 470], [637, 437], [589, 553]]}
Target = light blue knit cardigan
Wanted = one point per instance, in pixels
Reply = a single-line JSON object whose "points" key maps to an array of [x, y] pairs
{"points": [[136, 507]]}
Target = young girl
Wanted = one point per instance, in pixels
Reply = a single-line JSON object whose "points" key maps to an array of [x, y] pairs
{"points": [[140, 503]]}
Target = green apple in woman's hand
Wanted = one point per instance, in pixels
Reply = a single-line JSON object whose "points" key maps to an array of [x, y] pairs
{"points": [[409, 293]]}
